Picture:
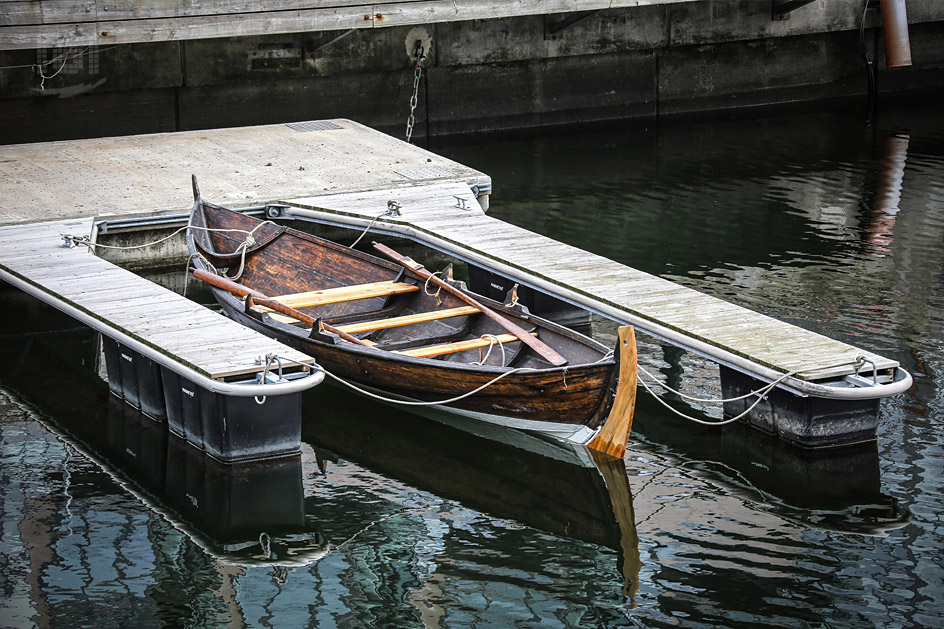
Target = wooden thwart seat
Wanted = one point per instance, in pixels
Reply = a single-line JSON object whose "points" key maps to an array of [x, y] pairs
{"points": [[395, 322], [342, 294], [383, 324], [459, 346]]}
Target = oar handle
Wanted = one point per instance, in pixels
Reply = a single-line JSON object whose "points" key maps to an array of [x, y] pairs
{"points": [[243, 291], [542, 348]]}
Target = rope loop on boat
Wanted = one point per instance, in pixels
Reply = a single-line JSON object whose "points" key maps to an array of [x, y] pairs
{"points": [[242, 249], [514, 297], [492, 340], [439, 300]]}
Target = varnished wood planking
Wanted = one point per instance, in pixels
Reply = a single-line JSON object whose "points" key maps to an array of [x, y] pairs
{"points": [[344, 293], [422, 317], [460, 346]]}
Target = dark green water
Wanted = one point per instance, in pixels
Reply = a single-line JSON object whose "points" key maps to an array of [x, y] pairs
{"points": [[388, 519]]}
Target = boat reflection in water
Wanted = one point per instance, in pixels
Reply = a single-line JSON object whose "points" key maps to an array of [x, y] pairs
{"points": [[298, 510], [563, 489]]}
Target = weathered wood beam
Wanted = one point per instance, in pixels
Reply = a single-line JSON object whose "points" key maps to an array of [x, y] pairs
{"points": [[63, 23]]}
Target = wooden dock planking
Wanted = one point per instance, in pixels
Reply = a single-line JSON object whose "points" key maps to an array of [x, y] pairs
{"points": [[430, 211], [193, 335], [350, 173]]}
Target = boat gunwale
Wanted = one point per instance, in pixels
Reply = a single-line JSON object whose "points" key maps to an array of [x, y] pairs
{"points": [[606, 354]]}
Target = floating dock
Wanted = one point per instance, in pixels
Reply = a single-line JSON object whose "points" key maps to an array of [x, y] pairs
{"points": [[204, 375], [342, 173], [829, 390]]}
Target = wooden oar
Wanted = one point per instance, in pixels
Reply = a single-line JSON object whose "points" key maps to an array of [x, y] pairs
{"points": [[546, 351], [242, 291]]}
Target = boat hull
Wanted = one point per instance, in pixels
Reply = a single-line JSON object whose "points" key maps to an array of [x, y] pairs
{"points": [[560, 400], [384, 327]]}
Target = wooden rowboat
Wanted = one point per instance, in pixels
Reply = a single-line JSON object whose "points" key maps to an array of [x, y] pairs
{"points": [[391, 327]]}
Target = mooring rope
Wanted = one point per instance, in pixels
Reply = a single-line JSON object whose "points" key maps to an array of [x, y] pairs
{"points": [[71, 241], [457, 398], [366, 229], [390, 400], [393, 209], [761, 393]]}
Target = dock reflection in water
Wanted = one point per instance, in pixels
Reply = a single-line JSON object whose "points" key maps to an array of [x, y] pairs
{"points": [[385, 518], [832, 490], [807, 218]]}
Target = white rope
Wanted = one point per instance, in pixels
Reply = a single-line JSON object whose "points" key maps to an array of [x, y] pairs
{"points": [[367, 229], [393, 209], [418, 403], [492, 339], [244, 247], [65, 59], [382, 398], [709, 400], [761, 393], [853, 363], [71, 240]]}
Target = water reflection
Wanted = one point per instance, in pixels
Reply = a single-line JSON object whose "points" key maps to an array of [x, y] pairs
{"points": [[240, 513], [385, 518], [731, 528], [888, 195], [556, 488], [811, 220]]}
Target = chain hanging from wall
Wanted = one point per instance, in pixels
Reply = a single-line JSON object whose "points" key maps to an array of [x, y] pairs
{"points": [[419, 59]]}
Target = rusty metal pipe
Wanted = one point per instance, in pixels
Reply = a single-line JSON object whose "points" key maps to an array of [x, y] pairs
{"points": [[897, 41]]}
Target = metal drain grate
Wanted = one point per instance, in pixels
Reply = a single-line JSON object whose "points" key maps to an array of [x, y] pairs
{"points": [[430, 172], [313, 125]]}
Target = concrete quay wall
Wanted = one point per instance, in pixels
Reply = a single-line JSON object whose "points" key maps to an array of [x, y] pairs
{"points": [[479, 75]]}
